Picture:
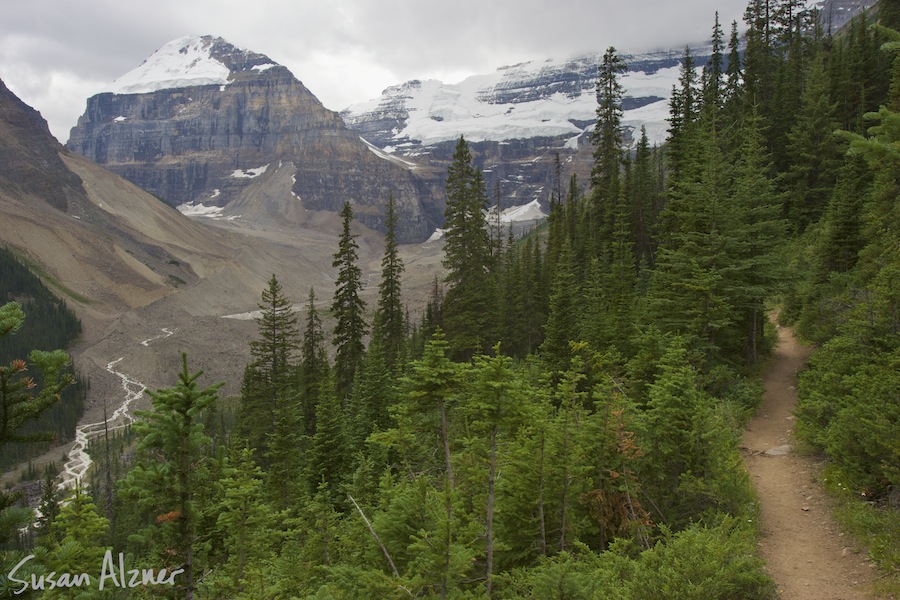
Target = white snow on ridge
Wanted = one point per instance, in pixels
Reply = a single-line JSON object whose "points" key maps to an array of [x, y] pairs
{"points": [[181, 63], [439, 112]]}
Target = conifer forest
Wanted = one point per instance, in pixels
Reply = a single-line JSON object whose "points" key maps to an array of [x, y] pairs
{"points": [[564, 421]]}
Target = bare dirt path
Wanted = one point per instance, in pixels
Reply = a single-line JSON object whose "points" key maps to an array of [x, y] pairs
{"points": [[805, 552]]}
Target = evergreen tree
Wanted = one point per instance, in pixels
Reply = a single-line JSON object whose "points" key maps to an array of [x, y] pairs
{"points": [[687, 291], [470, 301], [274, 353], [562, 321], [328, 456], [171, 475], [495, 410], [683, 114], [690, 461], [733, 74], [373, 394], [348, 309], [314, 365], [759, 55], [423, 422], [246, 525], [619, 283], [814, 152], [266, 386], [713, 71], [646, 203], [607, 139], [754, 271], [82, 534], [389, 314], [19, 403]]}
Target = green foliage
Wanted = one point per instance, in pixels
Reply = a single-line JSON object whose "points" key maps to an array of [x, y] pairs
{"points": [[20, 402], [702, 563], [82, 534], [691, 463], [698, 563], [246, 527], [874, 524], [265, 389], [470, 302], [389, 317], [172, 474], [348, 309]]}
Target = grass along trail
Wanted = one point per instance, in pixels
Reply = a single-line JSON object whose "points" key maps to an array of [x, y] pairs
{"points": [[805, 552]]}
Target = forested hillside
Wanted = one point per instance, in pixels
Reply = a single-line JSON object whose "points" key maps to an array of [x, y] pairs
{"points": [[48, 324], [564, 421]]}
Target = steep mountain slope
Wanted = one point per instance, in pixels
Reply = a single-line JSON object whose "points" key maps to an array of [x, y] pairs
{"points": [[519, 118], [129, 265], [201, 119], [29, 163], [540, 99]]}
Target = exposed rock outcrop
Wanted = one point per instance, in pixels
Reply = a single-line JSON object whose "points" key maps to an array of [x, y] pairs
{"points": [[196, 131], [29, 155]]}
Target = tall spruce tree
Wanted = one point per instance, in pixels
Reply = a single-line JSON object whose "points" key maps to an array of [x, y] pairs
{"points": [[683, 115], [713, 71], [314, 365], [470, 301], [815, 159], [646, 202], [607, 139], [756, 234], [171, 475], [268, 379], [733, 75], [390, 318], [686, 292], [348, 309], [562, 320]]}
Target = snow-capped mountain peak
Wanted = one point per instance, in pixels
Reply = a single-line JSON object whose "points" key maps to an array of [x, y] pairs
{"points": [[188, 61]]}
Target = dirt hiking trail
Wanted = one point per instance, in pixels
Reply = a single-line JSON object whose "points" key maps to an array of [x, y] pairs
{"points": [[805, 552]]}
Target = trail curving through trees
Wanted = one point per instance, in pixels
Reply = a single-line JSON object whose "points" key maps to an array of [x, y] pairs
{"points": [[805, 552], [79, 461]]}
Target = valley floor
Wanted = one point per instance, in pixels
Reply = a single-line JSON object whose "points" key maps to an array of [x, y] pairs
{"points": [[805, 552]]}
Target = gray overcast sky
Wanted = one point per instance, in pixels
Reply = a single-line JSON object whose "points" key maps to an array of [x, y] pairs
{"points": [[54, 54]]}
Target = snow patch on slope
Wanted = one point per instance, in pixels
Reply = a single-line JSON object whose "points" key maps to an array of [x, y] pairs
{"points": [[517, 214], [184, 62], [200, 210], [249, 173], [514, 214]]}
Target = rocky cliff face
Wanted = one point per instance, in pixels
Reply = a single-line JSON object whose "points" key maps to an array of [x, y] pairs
{"points": [[29, 155], [201, 118]]}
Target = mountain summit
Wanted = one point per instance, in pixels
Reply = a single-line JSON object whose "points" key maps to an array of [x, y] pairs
{"points": [[189, 61], [205, 125]]}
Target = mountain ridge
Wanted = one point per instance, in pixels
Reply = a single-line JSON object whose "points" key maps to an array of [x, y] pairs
{"points": [[190, 134]]}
